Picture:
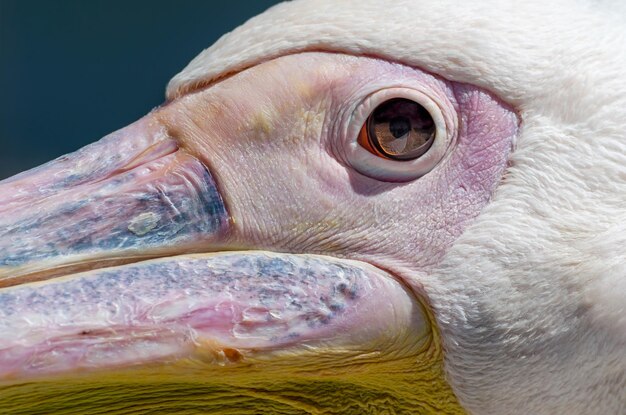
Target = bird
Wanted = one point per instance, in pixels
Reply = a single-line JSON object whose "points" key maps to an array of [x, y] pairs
{"points": [[408, 206]]}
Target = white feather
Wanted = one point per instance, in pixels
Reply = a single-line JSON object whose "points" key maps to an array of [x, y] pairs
{"points": [[531, 299]]}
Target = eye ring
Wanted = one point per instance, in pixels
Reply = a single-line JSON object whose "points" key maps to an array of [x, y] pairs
{"points": [[392, 169]]}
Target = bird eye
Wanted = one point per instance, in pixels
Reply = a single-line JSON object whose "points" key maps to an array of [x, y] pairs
{"points": [[398, 129], [400, 134]]}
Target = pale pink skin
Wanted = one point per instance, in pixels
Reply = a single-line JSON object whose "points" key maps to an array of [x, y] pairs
{"points": [[272, 139]]}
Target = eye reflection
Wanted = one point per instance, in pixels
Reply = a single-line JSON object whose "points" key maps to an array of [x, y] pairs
{"points": [[398, 129]]}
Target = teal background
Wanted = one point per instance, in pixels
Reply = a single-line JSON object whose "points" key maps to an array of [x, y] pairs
{"points": [[72, 71]]}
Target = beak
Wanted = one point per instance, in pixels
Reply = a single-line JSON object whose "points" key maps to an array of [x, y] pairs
{"points": [[133, 195], [118, 256]]}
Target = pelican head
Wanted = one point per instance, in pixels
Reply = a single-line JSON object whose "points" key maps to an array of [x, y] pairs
{"points": [[408, 206]]}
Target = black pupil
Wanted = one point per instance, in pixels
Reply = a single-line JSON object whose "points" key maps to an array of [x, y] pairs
{"points": [[399, 126], [401, 129]]}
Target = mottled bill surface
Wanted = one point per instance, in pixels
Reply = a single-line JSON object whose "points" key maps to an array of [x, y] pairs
{"points": [[239, 332], [236, 304], [133, 194], [110, 303]]}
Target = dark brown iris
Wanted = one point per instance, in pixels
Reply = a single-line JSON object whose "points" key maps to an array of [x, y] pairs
{"points": [[398, 129]]}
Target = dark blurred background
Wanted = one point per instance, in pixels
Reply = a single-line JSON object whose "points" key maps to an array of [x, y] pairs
{"points": [[72, 71]]}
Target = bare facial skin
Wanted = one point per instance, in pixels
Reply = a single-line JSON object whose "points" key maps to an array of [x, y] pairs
{"points": [[266, 159], [290, 129]]}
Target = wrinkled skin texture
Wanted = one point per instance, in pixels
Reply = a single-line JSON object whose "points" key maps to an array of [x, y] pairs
{"points": [[285, 124], [290, 128], [507, 262]]}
